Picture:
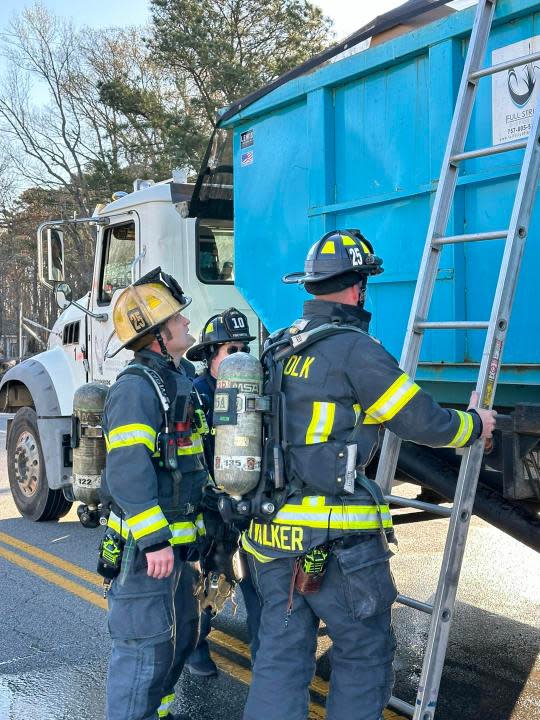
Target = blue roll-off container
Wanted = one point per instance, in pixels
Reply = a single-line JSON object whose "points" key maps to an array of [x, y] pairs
{"points": [[359, 143]]}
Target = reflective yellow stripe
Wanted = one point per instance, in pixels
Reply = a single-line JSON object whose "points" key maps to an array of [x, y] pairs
{"points": [[118, 525], [132, 434], [348, 241], [465, 429], [335, 517], [147, 522], [183, 533], [248, 547], [166, 702], [321, 423], [391, 401], [199, 524], [195, 448], [328, 248]]}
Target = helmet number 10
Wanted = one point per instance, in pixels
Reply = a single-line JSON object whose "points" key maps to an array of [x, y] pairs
{"points": [[238, 323]]}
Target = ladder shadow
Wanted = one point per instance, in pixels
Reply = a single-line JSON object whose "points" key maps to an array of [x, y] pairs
{"points": [[490, 661]]}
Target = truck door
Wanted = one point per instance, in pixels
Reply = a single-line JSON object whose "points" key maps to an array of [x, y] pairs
{"points": [[112, 273]]}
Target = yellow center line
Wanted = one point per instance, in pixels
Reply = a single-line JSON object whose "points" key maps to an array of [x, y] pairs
{"points": [[316, 711], [89, 577], [228, 642], [55, 578]]}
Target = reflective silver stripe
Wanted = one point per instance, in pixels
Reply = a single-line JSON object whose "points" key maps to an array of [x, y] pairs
{"points": [[344, 518], [464, 431], [133, 434], [199, 522], [184, 532], [118, 525], [399, 394], [166, 702], [147, 522], [322, 421]]}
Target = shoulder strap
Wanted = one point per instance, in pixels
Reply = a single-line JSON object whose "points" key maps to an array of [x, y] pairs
{"points": [[154, 379], [302, 340]]}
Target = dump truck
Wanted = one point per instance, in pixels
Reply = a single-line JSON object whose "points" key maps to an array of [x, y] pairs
{"points": [[134, 233], [356, 140]]}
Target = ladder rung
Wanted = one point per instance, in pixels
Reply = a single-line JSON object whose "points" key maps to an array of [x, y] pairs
{"points": [[416, 604], [419, 505], [506, 65], [492, 150], [404, 707], [471, 237], [457, 325]]}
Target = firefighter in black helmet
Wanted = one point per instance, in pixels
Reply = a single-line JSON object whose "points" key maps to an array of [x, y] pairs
{"points": [[325, 554], [223, 334]]}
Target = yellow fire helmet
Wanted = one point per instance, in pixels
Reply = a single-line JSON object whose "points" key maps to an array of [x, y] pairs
{"points": [[145, 305]]}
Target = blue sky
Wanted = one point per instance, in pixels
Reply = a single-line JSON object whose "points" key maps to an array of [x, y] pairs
{"points": [[347, 15], [96, 13]]}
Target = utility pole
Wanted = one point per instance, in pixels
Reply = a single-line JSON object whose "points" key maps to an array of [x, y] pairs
{"points": [[20, 333]]}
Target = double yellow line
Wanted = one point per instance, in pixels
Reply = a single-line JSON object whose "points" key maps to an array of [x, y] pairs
{"points": [[219, 640]]}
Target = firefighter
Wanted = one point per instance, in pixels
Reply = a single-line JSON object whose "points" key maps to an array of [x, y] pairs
{"points": [[153, 482], [325, 555], [222, 335]]}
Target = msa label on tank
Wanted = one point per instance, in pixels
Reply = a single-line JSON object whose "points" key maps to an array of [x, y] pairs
{"points": [[246, 139], [514, 92], [237, 462]]}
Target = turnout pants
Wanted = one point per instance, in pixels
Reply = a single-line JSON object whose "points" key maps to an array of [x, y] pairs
{"points": [[354, 602], [153, 625]]}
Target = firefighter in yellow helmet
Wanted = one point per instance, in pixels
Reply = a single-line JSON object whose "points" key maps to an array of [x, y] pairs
{"points": [[153, 483]]}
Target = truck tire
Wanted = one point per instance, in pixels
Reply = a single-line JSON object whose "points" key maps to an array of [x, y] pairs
{"points": [[26, 471]]}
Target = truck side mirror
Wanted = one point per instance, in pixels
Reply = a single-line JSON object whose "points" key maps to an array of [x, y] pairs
{"points": [[63, 295], [55, 255]]}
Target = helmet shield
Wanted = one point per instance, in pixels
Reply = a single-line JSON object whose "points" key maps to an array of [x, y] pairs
{"points": [[145, 305]]}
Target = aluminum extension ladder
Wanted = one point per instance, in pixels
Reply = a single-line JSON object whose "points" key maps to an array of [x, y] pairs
{"points": [[442, 609]]}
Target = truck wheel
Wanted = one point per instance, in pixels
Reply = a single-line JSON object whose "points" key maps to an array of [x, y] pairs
{"points": [[26, 471]]}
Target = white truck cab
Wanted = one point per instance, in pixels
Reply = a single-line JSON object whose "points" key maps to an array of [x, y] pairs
{"points": [[136, 232]]}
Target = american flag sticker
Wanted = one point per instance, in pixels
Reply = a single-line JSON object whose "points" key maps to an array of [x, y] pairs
{"points": [[247, 158]]}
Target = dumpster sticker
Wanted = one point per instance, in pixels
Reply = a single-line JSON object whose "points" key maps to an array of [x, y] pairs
{"points": [[514, 92], [247, 158], [246, 139]]}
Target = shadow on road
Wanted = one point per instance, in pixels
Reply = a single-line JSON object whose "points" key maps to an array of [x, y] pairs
{"points": [[490, 659]]}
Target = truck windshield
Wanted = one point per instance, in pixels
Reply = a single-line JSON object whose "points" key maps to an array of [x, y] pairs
{"points": [[118, 255], [215, 254]]}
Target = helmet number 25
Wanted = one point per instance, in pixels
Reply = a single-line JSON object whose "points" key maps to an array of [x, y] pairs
{"points": [[356, 256]]}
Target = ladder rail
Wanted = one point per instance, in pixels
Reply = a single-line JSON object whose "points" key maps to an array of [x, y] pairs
{"points": [[472, 460], [438, 222], [443, 607]]}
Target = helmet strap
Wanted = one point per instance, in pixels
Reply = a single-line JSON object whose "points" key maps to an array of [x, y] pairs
{"points": [[362, 292], [163, 347]]}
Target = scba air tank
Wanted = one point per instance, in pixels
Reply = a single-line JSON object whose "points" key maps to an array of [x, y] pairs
{"points": [[238, 423], [88, 442]]}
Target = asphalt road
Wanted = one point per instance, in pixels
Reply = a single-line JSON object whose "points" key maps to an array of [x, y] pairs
{"points": [[55, 646]]}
